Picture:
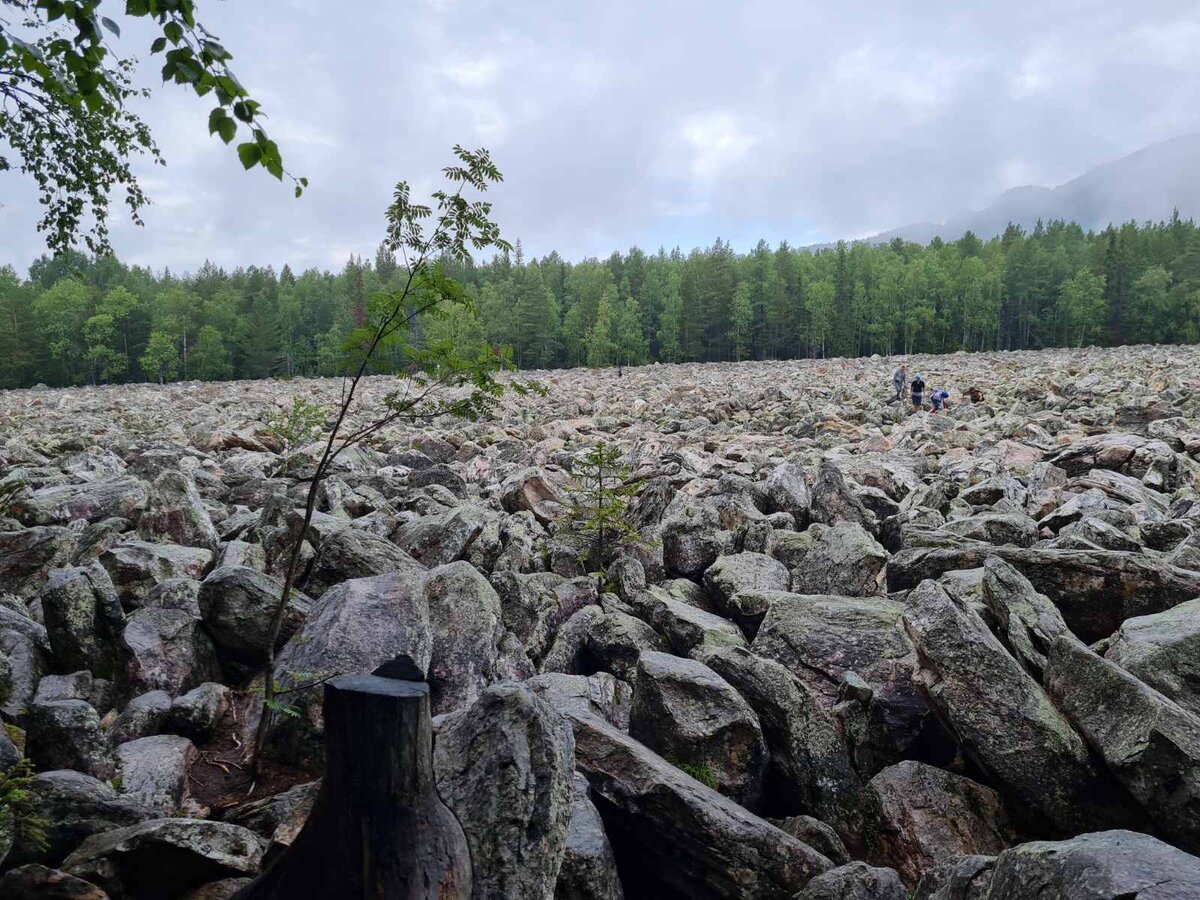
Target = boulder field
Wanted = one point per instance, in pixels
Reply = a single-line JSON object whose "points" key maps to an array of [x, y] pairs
{"points": [[858, 653]]}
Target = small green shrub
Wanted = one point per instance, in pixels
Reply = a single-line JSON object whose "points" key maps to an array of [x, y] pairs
{"points": [[702, 774], [298, 424]]}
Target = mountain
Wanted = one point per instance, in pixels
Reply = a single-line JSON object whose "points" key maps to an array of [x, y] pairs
{"points": [[1144, 185]]}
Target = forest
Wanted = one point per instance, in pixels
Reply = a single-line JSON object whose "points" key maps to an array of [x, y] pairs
{"points": [[79, 320]]}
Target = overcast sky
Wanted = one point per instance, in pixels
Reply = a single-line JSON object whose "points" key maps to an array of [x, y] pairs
{"points": [[645, 122]]}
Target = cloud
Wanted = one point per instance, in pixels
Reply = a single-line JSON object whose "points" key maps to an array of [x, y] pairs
{"points": [[648, 122]]}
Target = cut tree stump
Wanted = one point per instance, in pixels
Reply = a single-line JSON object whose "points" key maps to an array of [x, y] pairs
{"points": [[378, 828]]}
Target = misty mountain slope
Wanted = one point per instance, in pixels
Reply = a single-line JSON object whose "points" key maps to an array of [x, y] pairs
{"points": [[1144, 185]]}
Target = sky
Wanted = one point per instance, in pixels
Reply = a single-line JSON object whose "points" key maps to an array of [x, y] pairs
{"points": [[643, 122]]}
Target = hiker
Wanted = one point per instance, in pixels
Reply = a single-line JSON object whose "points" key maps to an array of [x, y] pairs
{"points": [[938, 399], [976, 395], [918, 392], [899, 380]]}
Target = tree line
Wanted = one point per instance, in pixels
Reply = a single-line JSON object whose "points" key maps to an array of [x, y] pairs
{"points": [[80, 320]]}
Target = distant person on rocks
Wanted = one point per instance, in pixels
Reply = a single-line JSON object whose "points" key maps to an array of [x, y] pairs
{"points": [[899, 380], [938, 399], [918, 393], [976, 395]]}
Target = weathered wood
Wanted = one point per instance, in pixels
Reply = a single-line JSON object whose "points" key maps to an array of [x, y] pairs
{"points": [[378, 828]]}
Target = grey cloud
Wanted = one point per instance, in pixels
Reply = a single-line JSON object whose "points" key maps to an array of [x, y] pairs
{"points": [[652, 123]]}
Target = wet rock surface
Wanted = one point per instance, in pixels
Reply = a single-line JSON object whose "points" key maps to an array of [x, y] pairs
{"points": [[861, 652]]}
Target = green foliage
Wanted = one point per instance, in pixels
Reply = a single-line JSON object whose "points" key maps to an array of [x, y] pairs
{"points": [[20, 812], [594, 520], [297, 425], [702, 774], [65, 111], [160, 362], [1014, 292]]}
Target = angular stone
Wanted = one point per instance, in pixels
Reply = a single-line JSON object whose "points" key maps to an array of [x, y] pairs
{"points": [[84, 621], [689, 715], [844, 560], [504, 767], [175, 514], [1163, 650], [168, 651], [238, 604], [353, 553], [855, 881], [153, 771], [465, 622]]}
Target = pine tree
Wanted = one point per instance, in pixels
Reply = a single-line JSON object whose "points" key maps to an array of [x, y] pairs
{"points": [[594, 520], [741, 321], [601, 351]]}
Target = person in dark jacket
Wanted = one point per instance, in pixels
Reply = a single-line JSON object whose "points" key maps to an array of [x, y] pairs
{"points": [[918, 393], [899, 380]]}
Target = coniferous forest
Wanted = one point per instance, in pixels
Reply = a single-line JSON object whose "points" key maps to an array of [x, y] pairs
{"points": [[75, 320]]}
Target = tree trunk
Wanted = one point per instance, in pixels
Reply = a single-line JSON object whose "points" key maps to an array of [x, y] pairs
{"points": [[378, 828]]}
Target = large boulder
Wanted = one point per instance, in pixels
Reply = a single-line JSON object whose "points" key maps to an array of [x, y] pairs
{"points": [[1163, 650], [91, 501], [833, 501], [355, 553], [615, 642], [809, 764], [740, 573], [1095, 590], [1003, 719], [238, 606], [75, 806], [504, 767], [855, 881], [1107, 865], [162, 858], [175, 514], [686, 627], [843, 559], [692, 540], [22, 665], [137, 566], [822, 640], [688, 714], [168, 650], [787, 491], [84, 621], [533, 606], [66, 734], [465, 622], [26, 556], [442, 538], [531, 489], [589, 870], [678, 836], [1027, 620], [925, 816], [358, 626], [154, 771], [1151, 744]]}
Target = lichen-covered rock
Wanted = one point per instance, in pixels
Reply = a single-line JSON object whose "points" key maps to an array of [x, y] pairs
{"points": [[153, 771], [504, 767], [688, 714], [844, 560], [1163, 650], [84, 621], [465, 624], [175, 513], [589, 870], [165, 857], [238, 605], [855, 881], [137, 566]]}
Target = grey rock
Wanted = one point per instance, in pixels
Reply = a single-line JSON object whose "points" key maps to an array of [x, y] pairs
{"points": [[154, 770], [686, 627], [436, 540], [1027, 620], [27, 556], [504, 767], [692, 540], [966, 878], [137, 566], [198, 713], [589, 870], [1108, 864], [37, 882], [809, 763], [66, 734], [688, 714], [855, 881], [91, 501], [465, 622], [615, 641], [175, 513], [1163, 650], [353, 553], [1148, 742], [740, 573], [168, 651], [924, 816], [238, 605], [683, 837], [787, 491], [1002, 717], [142, 716], [844, 560], [84, 621], [22, 665], [163, 858], [76, 806], [358, 626], [821, 638]]}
